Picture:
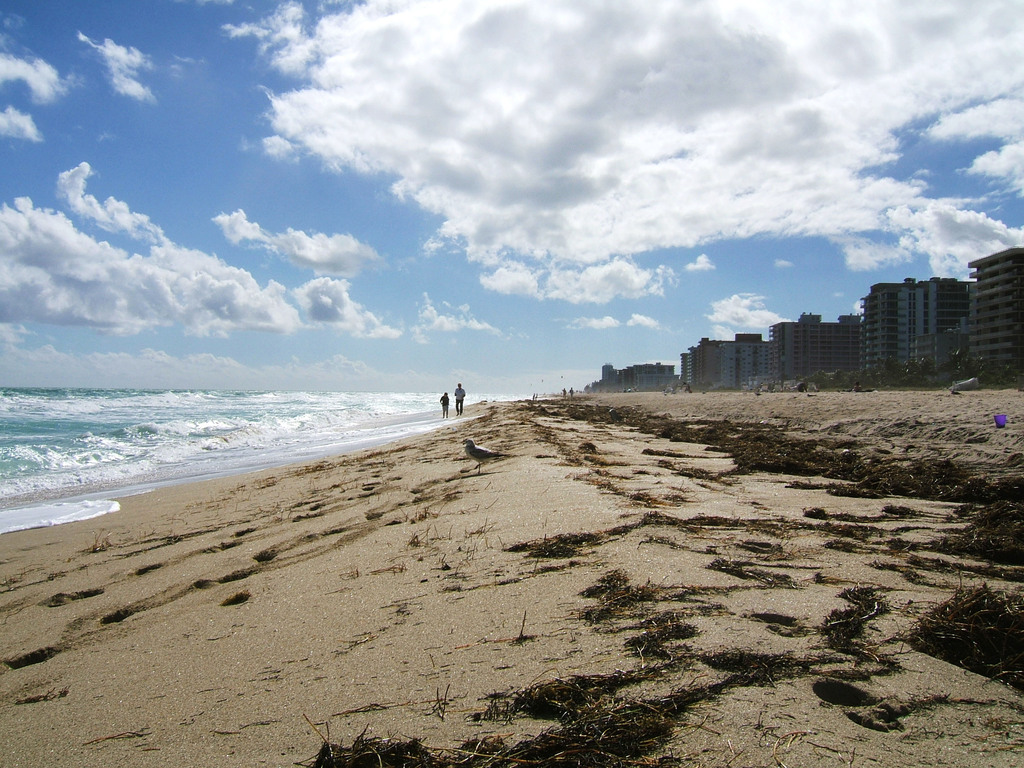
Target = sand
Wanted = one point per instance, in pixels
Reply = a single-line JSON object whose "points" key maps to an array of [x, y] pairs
{"points": [[398, 593]]}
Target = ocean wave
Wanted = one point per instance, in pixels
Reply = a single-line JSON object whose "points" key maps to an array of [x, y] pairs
{"points": [[61, 444]]}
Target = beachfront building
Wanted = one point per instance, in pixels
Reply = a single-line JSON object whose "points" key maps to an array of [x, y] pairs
{"points": [[685, 368], [808, 346], [997, 322], [644, 377], [896, 315], [743, 363]]}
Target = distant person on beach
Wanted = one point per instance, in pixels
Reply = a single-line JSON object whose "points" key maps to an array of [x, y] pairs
{"points": [[460, 396], [444, 405]]}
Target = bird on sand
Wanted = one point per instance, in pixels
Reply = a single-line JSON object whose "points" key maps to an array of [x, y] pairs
{"points": [[479, 454]]}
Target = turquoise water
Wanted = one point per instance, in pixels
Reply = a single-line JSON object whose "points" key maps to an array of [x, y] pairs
{"points": [[63, 450]]}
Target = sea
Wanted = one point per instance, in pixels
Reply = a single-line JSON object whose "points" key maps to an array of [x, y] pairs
{"points": [[66, 454]]}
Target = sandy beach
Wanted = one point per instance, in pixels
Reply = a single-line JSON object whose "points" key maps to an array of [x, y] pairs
{"points": [[721, 579]]}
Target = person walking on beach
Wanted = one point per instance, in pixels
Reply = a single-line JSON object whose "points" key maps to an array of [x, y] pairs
{"points": [[460, 395], [444, 405]]}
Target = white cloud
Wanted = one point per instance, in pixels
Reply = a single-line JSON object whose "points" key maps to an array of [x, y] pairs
{"points": [[11, 335], [783, 263], [601, 283], [513, 279], [595, 323], [743, 310], [52, 273], [451, 320], [1000, 118], [42, 79], [340, 255], [701, 264], [565, 149], [643, 321], [111, 215], [862, 254], [326, 301], [123, 65], [18, 125], [1005, 163], [951, 237]]}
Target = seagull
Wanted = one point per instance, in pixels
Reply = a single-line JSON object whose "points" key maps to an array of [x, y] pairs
{"points": [[479, 454]]}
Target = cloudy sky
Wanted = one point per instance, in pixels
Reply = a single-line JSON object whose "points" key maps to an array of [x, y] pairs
{"points": [[398, 194]]}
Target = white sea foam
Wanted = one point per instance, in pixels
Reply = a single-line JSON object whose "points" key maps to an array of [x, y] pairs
{"points": [[79, 446], [42, 515]]}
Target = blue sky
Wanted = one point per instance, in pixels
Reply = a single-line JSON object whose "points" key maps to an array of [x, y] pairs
{"points": [[399, 195]]}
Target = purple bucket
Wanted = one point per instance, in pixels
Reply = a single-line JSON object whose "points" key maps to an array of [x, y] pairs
{"points": [[1000, 420]]}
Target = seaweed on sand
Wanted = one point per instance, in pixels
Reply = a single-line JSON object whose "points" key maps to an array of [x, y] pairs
{"points": [[562, 545], [370, 752], [742, 569], [617, 596], [844, 625], [994, 532], [757, 447], [758, 669], [595, 730], [658, 630], [978, 629], [562, 698]]}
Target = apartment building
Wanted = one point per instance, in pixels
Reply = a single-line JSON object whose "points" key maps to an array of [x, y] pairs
{"points": [[807, 346], [743, 362], [896, 315], [643, 377], [997, 322]]}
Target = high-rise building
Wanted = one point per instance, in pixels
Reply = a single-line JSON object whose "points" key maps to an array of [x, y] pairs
{"points": [[743, 362], [997, 323], [808, 346], [644, 377], [896, 314]]}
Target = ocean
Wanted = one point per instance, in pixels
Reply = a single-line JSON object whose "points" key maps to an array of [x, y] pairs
{"points": [[65, 453]]}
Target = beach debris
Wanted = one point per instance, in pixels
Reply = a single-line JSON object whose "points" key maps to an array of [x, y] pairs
{"points": [[479, 454], [967, 385], [742, 569], [50, 695], [979, 629], [559, 546], [765, 447], [617, 596], [844, 625], [658, 630], [994, 532]]}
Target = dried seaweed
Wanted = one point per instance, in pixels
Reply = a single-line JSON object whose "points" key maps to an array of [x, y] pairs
{"points": [[844, 625], [994, 532], [758, 669], [617, 596], [596, 730], [742, 569], [657, 631], [759, 447], [560, 546], [979, 629]]}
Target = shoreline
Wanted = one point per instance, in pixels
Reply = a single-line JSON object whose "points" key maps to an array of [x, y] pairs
{"points": [[39, 509], [396, 592]]}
